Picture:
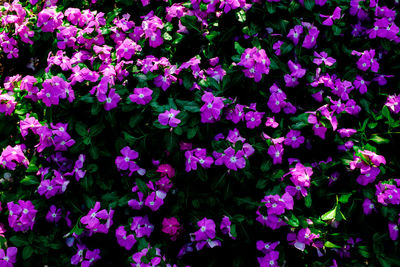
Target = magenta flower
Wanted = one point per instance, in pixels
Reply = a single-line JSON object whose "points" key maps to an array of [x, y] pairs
{"points": [[211, 110], [361, 84], [54, 214], [233, 160], [253, 119], [124, 240], [8, 257], [276, 152], [22, 215], [169, 118], [330, 19], [368, 206], [90, 257], [294, 139], [141, 96], [111, 101], [393, 231], [206, 231], [323, 58], [304, 237], [393, 103], [92, 219], [171, 227], [271, 122], [126, 161], [294, 34], [311, 38]]}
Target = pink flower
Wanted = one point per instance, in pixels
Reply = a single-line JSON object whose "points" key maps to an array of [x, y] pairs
{"points": [[234, 160]]}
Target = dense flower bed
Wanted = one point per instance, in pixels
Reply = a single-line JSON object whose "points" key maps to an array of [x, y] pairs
{"points": [[199, 133]]}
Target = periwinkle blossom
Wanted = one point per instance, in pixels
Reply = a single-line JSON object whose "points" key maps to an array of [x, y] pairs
{"points": [[277, 205], [206, 231], [294, 34], [171, 226], [21, 216], [7, 104], [311, 38], [124, 239], [294, 139], [276, 153], [141, 96], [111, 101], [393, 103], [234, 160], [126, 161], [368, 206], [141, 226], [226, 227], [10, 156], [393, 231], [211, 110], [388, 193], [361, 84], [256, 63], [323, 57], [91, 257], [331, 18], [168, 117], [8, 256], [270, 259], [54, 214], [304, 237], [49, 19], [366, 60], [253, 119]]}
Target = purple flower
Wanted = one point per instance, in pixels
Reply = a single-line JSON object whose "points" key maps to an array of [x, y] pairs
{"points": [[233, 160], [92, 219], [90, 257], [294, 139], [169, 118], [311, 38], [206, 231], [276, 152], [304, 237], [368, 206], [124, 240], [329, 19], [8, 257], [393, 231], [361, 84], [141, 96], [211, 110], [323, 58], [54, 214], [253, 119], [226, 227], [126, 161], [271, 122], [22, 215], [368, 177], [294, 34], [269, 260], [393, 102], [111, 101]]}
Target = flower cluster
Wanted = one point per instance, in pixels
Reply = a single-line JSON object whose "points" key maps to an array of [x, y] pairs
{"points": [[256, 63]]}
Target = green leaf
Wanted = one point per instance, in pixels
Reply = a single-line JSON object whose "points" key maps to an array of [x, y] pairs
{"points": [[308, 201], [286, 48], [190, 22], [345, 198], [309, 4], [96, 129], [329, 215], [141, 185], [81, 128], [134, 120], [27, 252], [18, 241], [379, 140], [331, 245], [30, 180], [239, 48]]}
